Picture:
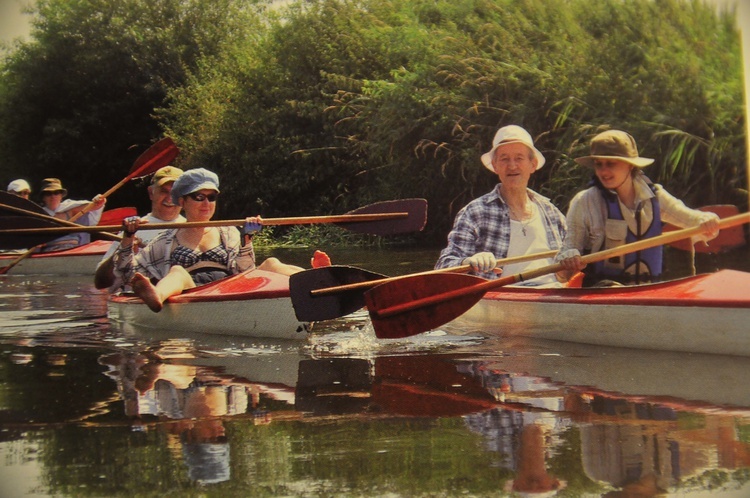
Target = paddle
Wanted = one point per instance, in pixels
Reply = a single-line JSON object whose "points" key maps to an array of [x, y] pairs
{"points": [[158, 155], [381, 218], [32, 240], [309, 309], [336, 291], [110, 216], [727, 240], [412, 305], [11, 204], [12, 223]]}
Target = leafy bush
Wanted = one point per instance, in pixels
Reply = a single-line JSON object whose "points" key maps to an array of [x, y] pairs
{"points": [[318, 107]]}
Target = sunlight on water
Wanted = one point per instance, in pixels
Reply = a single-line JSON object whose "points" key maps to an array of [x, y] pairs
{"points": [[30, 322], [359, 340]]}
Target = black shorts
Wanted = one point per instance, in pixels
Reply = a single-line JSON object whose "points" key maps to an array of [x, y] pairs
{"points": [[208, 275]]}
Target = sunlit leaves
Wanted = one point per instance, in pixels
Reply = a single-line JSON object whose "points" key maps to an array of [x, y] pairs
{"points": [[322, 106]]}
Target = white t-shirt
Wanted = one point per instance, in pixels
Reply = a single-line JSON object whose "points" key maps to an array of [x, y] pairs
{"points": [[529, 237], [145, 236]]}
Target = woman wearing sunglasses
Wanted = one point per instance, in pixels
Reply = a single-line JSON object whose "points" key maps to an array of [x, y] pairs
{"points": [[182, 258]]}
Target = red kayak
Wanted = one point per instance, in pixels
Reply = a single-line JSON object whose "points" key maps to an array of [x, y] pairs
{"points": [[703, 314]]}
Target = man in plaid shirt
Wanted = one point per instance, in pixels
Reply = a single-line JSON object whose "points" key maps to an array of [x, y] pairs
{"points": [[511, 220]]}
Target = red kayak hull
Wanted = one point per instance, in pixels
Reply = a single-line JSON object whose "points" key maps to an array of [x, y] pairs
{"points": [[703, 314]]}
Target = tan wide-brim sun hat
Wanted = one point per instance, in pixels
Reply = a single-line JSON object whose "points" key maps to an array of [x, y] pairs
{"points": [[53, 185], [511, 134], [617, 145]]}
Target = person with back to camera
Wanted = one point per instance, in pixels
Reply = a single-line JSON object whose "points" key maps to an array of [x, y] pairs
{"points": [[183, 258], [622, 206], [511, 220], [163, 210]]}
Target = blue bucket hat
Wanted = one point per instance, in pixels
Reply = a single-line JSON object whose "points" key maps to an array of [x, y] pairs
{"points": [[194, 180]]}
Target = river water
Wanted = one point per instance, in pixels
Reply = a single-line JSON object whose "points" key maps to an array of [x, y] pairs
{"points": [[87, 409]]}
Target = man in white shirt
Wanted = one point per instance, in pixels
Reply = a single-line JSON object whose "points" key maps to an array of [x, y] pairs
{"points": [[163, 210]]}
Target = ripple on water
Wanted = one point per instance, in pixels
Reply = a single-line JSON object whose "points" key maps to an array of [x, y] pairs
{"points": [[354, 336]]}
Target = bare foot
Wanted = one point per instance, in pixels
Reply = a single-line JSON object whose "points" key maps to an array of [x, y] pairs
{"points": [[143, 288]]}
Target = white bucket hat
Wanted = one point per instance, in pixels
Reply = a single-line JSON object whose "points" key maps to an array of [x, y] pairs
{"points": [[511, 134]]}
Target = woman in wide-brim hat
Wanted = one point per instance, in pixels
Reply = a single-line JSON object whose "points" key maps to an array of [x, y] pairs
{"points": [[623, 206], [182, 258], [54, 204]]}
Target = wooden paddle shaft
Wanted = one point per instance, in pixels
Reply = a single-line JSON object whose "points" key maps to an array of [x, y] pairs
{"points": [[545, 270], [453, 269], [167, 151], [66, 223], [157, 161], [304, 220]]}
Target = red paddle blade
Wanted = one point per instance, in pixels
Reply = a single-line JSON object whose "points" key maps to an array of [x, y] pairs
{"points": [[115, 216], [389, 323], [414, 222], [161, 154], [728, 238]]}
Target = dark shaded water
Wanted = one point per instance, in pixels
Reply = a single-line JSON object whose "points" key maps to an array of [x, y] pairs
{"points": [[90, 410]]}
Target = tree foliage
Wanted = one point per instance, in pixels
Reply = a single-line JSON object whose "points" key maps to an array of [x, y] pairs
{"points": [[321, 106], [77, 101]]}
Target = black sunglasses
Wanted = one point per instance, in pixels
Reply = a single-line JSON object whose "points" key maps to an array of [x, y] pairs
{"points": [[201, 197]]}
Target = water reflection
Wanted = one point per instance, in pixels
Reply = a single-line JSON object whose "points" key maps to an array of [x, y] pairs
{"points": [[537, 434], [191, 399], [88, 409]]}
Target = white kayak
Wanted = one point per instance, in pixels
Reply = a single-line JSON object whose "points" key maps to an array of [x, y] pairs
{"points": [[81, 260], [254, 303]]}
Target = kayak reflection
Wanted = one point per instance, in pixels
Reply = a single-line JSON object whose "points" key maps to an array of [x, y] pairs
{"points": [[527, 424]]}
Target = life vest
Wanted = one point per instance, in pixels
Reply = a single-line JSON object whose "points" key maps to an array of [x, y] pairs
{"points": [[637, 267]]}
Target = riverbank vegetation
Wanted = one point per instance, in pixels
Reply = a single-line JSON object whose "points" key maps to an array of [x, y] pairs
{"points": [[318, 107]]}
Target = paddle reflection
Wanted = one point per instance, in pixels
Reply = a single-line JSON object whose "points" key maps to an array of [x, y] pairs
{"points": [[544, 434]]}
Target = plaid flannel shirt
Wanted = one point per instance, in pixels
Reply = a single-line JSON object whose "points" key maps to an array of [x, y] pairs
{"points": [[483, 225], [154, 260]]}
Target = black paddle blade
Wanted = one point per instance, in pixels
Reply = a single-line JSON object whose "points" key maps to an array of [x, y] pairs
{"points": [[8, 199], [309, 308], [384, 302], [26, 240], [414, 222]]}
